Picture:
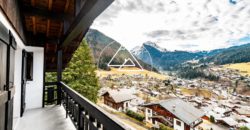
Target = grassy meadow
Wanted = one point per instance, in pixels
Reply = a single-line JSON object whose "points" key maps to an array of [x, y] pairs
{"points": [[103, 73], [244, 68]]}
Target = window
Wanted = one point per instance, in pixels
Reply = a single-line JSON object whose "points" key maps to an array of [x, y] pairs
{"points": [[3, 59], [29, 74], [178, 123], [4, 41], [12, 62]]}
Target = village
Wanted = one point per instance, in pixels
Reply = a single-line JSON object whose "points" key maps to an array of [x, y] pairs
{"points": [[143, 101]]}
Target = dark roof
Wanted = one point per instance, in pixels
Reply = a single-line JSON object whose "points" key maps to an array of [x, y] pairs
{"points": [[181, 109]]}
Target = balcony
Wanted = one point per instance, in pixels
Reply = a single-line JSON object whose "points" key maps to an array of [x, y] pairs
{"points": [[39, 37], [76, 112], [49, 118], [84, 114]]}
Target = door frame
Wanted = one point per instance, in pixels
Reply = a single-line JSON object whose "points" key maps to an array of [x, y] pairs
{"points": [[23, 82]]}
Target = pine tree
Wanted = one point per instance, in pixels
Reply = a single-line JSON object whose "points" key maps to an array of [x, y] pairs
{"points": [[80, 73]]}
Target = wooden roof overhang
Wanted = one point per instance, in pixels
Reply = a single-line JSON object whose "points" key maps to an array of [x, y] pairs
{"points": [[58, 23]]}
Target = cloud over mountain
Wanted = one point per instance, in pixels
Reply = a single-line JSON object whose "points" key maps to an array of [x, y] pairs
{"points": [[175, 24]]}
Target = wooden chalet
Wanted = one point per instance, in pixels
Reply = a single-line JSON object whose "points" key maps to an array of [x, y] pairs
{"points": [[39, 36], [118, 100], [174, 113]]}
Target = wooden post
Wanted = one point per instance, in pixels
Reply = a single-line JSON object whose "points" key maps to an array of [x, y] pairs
{"points": [[59, 75], [44, 74]]}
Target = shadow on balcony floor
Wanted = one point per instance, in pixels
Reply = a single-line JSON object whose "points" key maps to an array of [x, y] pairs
{"points": [[48, 118]]}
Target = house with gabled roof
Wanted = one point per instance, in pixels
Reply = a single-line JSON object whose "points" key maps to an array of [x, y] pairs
{"points": [[119, 100], [175, 113]]}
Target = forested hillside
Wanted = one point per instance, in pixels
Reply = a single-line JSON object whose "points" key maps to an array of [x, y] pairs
{"points": [[99, 42], [236, 54]]}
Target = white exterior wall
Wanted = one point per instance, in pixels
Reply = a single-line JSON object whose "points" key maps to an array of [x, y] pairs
{"points": [[126, 106], [17, 82], [34, 89], [148, 115], [177, 127]]}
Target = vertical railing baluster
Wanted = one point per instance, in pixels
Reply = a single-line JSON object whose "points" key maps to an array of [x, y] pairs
{"points": [[83, 119], [93, 123], [86, 118], [84, 114], [80, 126], [98, 125], [75, 112], [67, 105]]}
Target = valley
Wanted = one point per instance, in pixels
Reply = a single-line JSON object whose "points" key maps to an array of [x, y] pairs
{"points": [[216, 83]]}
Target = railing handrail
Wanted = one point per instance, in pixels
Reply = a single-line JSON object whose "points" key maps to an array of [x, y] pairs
{"points": [[102, 116], [50, 83]]}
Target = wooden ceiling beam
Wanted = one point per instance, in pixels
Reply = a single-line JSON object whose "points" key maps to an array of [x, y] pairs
{"points": [[66, 6], [47, 28], [88, 12], [33, 11], [33, 39], [60, 30], [34, 24], [50, 2], [33, 2]]}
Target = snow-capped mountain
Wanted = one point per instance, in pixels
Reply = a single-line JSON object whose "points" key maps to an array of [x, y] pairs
{"points": [[160, 58], [153, 44], [151, 54]]}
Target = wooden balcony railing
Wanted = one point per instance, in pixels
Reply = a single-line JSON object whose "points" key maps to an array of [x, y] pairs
{"points": [[85, 114]]}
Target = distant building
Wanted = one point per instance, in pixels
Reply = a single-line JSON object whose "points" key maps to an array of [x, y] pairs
{"points": [[118, 99], [243, 111], [227, 121], [175, 113]]}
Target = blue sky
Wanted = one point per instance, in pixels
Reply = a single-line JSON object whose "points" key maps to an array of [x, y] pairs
{"points": [[177, 24], [240, 41]]}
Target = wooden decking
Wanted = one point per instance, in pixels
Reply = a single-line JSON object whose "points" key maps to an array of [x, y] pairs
{"points": [[48, 118]]}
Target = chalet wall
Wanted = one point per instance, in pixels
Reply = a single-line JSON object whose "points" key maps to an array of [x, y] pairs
{"points": [[181, 126], [148, 114], [10, 8], [110, 102], [34, 88]]}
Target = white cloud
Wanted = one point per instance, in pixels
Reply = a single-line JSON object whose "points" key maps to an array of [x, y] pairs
{"points": [[176, 24]]}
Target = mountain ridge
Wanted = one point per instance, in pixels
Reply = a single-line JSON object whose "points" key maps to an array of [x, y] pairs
{"points": [[98, 41], [149, 53], [168, 60]]}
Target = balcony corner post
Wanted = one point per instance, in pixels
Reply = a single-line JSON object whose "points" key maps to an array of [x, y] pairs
{"points": [[59, 75]]}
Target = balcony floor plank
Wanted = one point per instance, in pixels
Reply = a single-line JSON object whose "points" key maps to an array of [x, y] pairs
{"points": [[48, 118]]}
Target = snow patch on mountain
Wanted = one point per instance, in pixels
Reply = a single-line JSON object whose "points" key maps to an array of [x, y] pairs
{"points": [[153, 44]]}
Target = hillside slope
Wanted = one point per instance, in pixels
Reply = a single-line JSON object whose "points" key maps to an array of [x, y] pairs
{"points": [[99, 42], [163, 59], [172, 60], [235, 54]]}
